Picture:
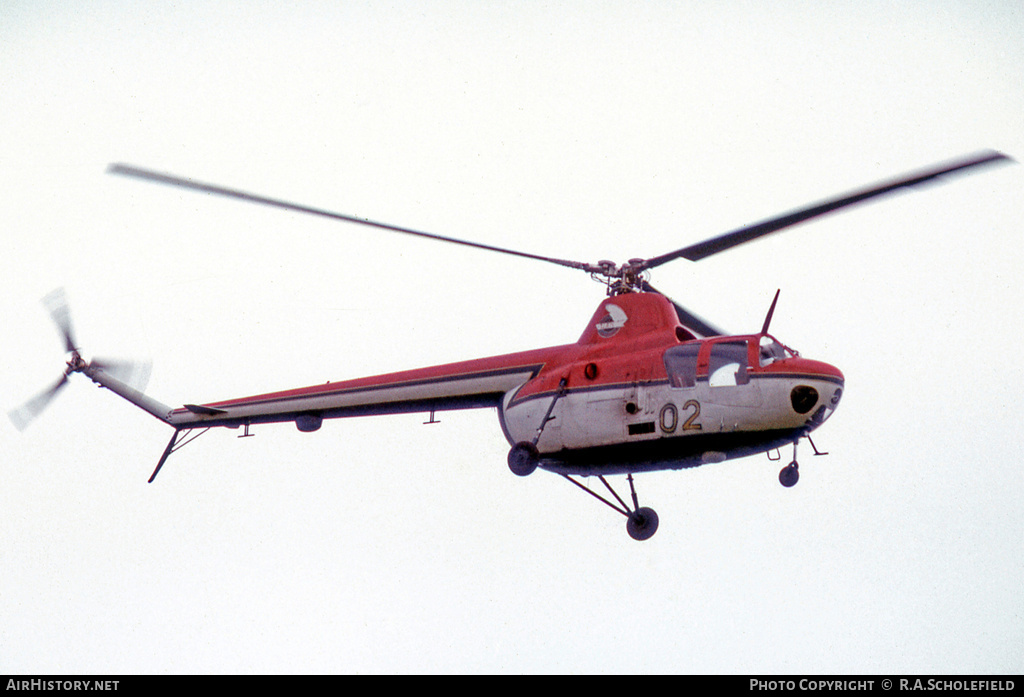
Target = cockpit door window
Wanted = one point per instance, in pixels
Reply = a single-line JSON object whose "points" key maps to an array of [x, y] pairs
{"points": [[727, 365]]}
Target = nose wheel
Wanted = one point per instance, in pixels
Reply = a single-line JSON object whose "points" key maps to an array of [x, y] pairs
{"points": [[789, 475]]}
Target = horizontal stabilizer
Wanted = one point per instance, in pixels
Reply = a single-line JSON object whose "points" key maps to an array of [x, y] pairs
{"points": [[205, 411]]}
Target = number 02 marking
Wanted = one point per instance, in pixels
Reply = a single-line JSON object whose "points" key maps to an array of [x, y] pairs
{"points": [[688, 425], [669, 417]]}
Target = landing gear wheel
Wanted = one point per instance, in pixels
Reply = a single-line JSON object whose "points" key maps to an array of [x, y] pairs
{"points": [[789, 475], [642, 524], [523, 458]]}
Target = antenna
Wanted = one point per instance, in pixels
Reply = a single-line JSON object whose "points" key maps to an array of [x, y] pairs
{"points": [[771, 311]]}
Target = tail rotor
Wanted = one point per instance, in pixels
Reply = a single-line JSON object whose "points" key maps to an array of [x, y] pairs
{"points": [[132, 373]]}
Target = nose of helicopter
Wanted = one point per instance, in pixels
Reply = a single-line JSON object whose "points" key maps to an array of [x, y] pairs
{"points": [[817, 389]]}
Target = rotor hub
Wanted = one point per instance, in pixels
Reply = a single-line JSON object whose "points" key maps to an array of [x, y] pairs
{"points": [[629, 277], [76, 363]]}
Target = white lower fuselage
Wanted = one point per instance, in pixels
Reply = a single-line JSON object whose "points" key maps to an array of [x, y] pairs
{"points": [[652, 425]]}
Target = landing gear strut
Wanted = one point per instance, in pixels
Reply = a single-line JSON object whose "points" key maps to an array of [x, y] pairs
{"points": [[524, 457], [790, 474], [641, 523]]}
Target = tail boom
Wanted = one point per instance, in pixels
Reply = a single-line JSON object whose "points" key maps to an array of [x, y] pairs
{"points": [[144, 402]]}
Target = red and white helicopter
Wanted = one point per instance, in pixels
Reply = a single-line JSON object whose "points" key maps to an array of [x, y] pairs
{"points": [[648, 385]]}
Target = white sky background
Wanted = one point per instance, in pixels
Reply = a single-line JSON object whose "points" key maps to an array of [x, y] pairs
{"points": [[585, 131]]}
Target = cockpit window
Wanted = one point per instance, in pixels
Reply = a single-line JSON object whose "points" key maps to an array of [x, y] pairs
{"points": [[681, 365], [770, 351], [728, 364]]}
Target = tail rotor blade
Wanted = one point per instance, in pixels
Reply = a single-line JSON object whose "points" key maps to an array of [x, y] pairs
{"points": [[56, 303], [27, 412], [135, 374]]}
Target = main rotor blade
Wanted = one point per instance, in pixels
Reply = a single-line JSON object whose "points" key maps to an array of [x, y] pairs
{"points": [[687, 318], [172, 180], [721, 243]]}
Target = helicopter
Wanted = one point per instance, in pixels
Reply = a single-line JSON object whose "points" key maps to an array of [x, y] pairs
{"points": [[648, 386]]}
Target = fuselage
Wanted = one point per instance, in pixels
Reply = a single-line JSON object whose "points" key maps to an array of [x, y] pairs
{"points": [[638, 391]]}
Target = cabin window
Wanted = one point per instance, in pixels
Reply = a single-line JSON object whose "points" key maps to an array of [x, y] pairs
{"points": [[728, 364], [681, 365], [770, 351]]}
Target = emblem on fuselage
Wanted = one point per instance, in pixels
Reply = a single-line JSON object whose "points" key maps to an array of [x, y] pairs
{"points": [[611, 323]]}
